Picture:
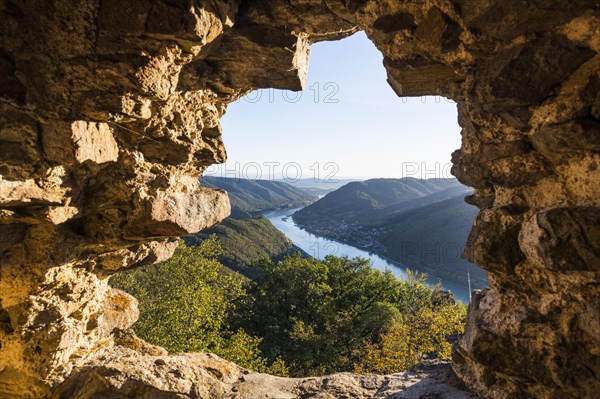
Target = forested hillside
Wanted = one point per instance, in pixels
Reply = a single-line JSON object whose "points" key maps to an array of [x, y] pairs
{"points": [[246, 236], [302, 316], [297, 315], [433, 237], [422, 224], [246, 241], [363, 201], [259, 195]]}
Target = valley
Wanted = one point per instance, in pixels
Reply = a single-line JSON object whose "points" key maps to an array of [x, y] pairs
{"points": [[421, 225], [247, 235]]}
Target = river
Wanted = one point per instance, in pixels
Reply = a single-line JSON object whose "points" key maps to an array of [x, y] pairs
{"points": [[319, 247]]}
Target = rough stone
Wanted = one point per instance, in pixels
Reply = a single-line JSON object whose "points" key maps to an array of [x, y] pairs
{"points": [[123, 373], [109, 112], [78, 141]]}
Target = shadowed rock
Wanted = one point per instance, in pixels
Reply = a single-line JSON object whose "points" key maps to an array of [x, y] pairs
{"points": [[109, 113]]}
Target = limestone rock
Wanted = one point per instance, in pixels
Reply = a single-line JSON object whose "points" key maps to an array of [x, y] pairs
{"points": [[109, 113], [79, 141], [124, 373]]}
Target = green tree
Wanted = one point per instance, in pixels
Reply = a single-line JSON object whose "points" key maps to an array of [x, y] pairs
{"points": [[340, 314], [311, 316], [429, 317], [186, 301], [316, 314]]}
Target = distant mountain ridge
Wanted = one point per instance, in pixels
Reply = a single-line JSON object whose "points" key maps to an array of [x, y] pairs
{"points": [[419, 223], [366, 201], [256, 196], [318, 186]]}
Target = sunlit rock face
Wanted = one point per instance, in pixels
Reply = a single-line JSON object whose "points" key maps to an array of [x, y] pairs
{"points": [[127, 373], [110, 111]]}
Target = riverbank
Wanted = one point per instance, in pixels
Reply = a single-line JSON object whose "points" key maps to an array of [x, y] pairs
{"points": [[361, 237], [319, 247]]}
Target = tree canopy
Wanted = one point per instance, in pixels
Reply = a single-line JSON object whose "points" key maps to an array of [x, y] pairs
{"points": [[300, 316]]}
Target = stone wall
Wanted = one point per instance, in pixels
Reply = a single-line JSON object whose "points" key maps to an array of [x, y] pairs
{"points": [[110, 111]]}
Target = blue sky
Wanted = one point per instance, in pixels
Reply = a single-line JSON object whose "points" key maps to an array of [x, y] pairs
{"points": [[348, 122]]}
